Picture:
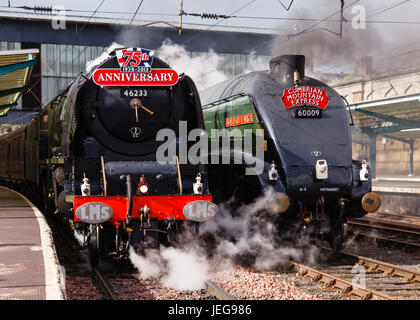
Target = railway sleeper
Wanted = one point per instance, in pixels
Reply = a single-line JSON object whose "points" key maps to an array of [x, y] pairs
{"points": [[389, 270]]}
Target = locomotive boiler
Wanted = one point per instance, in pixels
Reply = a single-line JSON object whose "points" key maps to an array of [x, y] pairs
{"points": [[307, 148], [90, 155]]}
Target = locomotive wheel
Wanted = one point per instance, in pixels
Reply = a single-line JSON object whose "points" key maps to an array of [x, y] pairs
{"points": [[94, 252]]}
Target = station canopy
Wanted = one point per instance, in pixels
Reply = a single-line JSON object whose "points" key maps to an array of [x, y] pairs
{"points": [[15, 70], [394, 117]]}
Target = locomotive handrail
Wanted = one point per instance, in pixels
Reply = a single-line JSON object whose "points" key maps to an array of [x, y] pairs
{"points": [[349, 108], [223, 100], [104, 175], [179, 175], [129, 194]]}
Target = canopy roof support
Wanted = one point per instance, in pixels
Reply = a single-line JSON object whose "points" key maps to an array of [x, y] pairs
{"points": [[16, 66], [7, 92], [399, 121]]}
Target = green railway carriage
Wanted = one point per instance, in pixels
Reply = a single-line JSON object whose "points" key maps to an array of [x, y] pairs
{"points": [[26, 158], [12, 156]]}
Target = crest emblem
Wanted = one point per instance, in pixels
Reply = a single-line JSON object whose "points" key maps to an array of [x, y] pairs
{"points": [[134, 69], [316, 154], [135, 131], [135, 59]]}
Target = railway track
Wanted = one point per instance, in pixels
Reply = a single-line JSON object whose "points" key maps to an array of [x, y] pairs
{"points": [[391, 232], [210, 289], [334, 282], [105, 286], [365, 278], [213, 290]]}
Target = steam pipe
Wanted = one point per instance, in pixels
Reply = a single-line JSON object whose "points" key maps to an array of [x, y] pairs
{"points": [[129, 194], [341, 214]]}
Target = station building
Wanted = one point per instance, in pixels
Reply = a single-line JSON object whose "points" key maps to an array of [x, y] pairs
{"points": [[386, 112]]}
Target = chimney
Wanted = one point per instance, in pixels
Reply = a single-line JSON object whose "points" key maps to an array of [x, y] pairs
{"points": [[366, 66], [309, 65], [285, 67]]}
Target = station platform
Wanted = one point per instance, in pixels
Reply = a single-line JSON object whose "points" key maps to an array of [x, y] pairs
{"points": [[29, 267], [398, 184], [400, 195]]}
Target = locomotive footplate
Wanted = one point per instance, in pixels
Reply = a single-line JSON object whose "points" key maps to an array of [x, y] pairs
{"points": [[98, 209]]}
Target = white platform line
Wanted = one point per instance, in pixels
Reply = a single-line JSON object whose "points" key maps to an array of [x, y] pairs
{"points": [[54, 288], [396, 189]]}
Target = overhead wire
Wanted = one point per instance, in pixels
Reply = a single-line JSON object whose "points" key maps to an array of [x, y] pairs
{"points": [[288, 38], [288, 7], [385, 8], [377, 12], [322, 20], [91, 16], [141, 2], [241, 8], [318, 21]]}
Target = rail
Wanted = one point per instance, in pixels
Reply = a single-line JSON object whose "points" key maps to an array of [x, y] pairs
{"points": [[335, 282], [105, 286], [219, 293], [388, 269]]}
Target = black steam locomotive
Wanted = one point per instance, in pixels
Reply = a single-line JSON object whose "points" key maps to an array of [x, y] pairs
{"points": [[90, 155], [307, 155]]}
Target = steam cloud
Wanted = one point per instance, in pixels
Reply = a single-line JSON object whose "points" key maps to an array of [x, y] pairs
{"points": [[203, 68], [251, 233], [330, 53], [245, 235], [177, 268]]}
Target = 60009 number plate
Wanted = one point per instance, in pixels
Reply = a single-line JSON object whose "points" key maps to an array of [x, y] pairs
{"points": [[307, 113]]}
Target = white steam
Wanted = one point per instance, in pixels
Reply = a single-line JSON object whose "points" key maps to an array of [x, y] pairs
{"points": [[245, 236], [90, 65], [79, 238], [203, 68], [257, 62], [206, 69], [187, 270], [149, 266], [251, 230], [180, 269]]}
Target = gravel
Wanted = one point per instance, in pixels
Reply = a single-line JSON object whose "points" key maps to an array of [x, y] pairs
{"points": [[241, 282], [80, 286], [247, 284], [132, 287]]}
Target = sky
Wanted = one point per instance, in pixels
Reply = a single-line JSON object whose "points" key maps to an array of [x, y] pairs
{"points": [[394, 32], [168, 9]]}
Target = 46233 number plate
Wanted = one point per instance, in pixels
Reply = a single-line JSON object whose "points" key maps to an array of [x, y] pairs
{"points": [[128, 93], [307, 113]]}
